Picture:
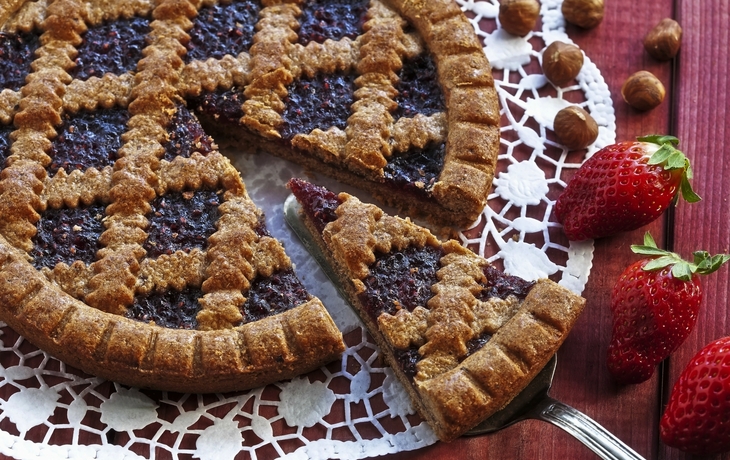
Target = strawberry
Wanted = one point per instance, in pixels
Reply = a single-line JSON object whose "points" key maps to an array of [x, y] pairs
{"points": [[697, 419], [623, 187], [654, 304]]}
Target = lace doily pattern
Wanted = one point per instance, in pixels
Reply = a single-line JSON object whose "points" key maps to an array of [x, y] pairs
{"points": [[516, 227], [354, 408]]}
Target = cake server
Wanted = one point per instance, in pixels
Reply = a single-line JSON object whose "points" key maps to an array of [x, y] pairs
{"points": [[533, 402]]}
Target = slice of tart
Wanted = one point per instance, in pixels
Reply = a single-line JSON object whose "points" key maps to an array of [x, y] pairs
{"points": [[462, 336]]}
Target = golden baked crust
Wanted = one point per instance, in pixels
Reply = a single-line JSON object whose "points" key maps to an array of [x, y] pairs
{"points": [[77, 311], [454, 387]]}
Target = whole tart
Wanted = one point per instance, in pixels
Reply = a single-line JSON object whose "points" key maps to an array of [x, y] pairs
{"points": [[462, 336], [129, 247]]}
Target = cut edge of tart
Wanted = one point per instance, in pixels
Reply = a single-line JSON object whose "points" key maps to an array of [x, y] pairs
{"points": [[375, 137], [466, 348]]}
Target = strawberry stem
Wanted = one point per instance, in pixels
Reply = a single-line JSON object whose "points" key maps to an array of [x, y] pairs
{"points": [[670, 157], [703, 263]]}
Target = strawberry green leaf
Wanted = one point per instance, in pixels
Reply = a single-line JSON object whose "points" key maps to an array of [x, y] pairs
{"points": [[688, 194], [649, 240], [659, 139], [683, 271], [707, 264], [701, 257], [703, 263], [670, 157], [648, 250], [665, 261]]}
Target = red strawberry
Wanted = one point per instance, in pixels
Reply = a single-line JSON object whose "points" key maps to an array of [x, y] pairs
{"points": [[623, 187], [697, 418], [654, 304]]}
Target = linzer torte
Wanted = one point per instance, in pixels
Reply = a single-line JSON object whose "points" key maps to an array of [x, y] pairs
{"points": [[128, 244], [463, 337]]}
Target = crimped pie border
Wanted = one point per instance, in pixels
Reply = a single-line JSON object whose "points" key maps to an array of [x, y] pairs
{"points": [[128, 351]]}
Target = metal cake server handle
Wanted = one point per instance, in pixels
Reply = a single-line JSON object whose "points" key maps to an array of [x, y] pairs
{"points": [[533, 402]]}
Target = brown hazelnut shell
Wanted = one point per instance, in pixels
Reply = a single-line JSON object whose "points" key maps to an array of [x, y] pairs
{"points": [[575, 128], [561, 62], [643, 90], [583, 13], [663, 41], [518, 17]]}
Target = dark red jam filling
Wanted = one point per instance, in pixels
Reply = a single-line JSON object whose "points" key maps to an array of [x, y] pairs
{"points": [[173, 309], [417, 170], [181, 221], [66, 235], [320, 102], [260, 228], [317, 202], [400, 279], [418, 88], [5, 131], [477, 343], [16, 54], [222, 29], [404, 279], [277, 293], [186, 136], [223, 106], [408, 359], [327, 19], [111, 47], [500, 284], [88, 139]]}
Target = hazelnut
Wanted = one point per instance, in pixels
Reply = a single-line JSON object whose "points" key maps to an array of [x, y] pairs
{"points": [[575, 128], [583, 13], [663, 41], [518, 17], [643, 90], [561, 62]]}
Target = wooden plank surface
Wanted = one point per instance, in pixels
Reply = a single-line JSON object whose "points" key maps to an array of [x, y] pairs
{"points": [[701, 120]]}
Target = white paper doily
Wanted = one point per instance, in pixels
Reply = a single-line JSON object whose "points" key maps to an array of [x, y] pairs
{"points": [[353, 408]]}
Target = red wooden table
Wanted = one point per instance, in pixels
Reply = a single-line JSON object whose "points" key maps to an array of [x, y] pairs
{"points": [[696, 110]]}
